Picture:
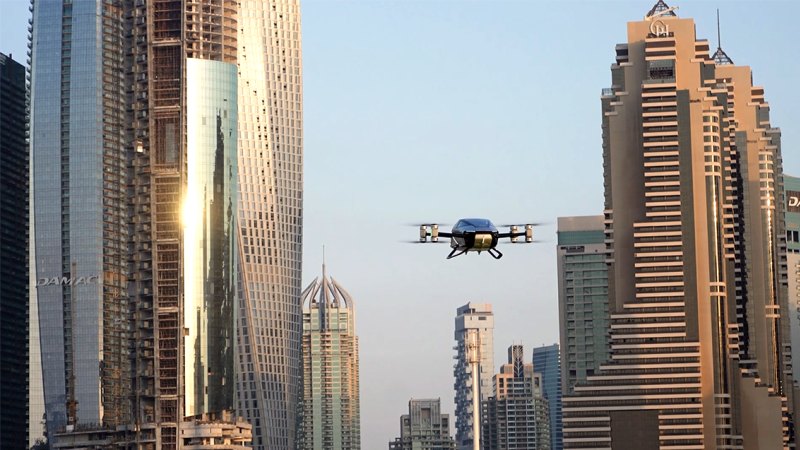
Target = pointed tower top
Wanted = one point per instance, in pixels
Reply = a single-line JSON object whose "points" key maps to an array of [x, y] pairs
{"points": [[720, 57], [661, 9], [323, 260]]}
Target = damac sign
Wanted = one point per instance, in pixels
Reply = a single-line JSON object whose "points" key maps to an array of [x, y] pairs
{"points": [[793, 201], [64, 281]]}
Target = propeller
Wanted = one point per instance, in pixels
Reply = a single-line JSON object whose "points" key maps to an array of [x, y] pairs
{"points": [[426, 224], [522, 224], [417, 241]]}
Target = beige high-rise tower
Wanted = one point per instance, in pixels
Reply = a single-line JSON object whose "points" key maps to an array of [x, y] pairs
{"points": [[330, 410], [696, 255]]}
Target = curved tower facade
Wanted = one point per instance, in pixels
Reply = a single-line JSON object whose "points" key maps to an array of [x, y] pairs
{"points": [[270, 219]]}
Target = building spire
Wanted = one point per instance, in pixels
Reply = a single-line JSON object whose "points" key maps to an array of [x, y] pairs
{"points": [[661, 9], [720, 57]]}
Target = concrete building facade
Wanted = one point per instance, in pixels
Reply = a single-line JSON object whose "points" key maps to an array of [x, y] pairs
{"points": [[696, 254], [424, 427], [330, 417], [582, 298], [474, 324], [516, 416]]}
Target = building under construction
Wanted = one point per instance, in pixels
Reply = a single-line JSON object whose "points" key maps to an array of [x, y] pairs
{"points": [[134, 144]]}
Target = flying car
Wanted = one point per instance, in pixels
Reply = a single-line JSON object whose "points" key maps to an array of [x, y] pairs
{"points": [[476, 235]]}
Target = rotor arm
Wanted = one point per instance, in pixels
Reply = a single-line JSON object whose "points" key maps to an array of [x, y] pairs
{"points": [[514, 234], [432, 231]]}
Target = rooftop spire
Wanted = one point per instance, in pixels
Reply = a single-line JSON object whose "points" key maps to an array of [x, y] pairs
{"points": [[661, 9], [720, 57]]}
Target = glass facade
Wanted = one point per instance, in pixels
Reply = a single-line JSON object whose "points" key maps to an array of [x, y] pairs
{"points": [[791, 186], [79, 187], [209, 224], [13, 254], [582, 298], [547, 362], [46, 191], [135, 176]]}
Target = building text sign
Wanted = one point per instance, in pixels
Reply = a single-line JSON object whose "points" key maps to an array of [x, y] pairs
{"points": [[68, 281], [793, 201]]}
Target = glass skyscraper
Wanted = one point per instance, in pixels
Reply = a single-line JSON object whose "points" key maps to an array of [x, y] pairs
{"points": [[330, 403], [547, 363], [791, 187], [696, 251], [81, 228], [14, 282], [582, 298], [135, 181]]}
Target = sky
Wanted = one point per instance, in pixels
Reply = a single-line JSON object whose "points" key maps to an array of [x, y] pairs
{"points": [[429, 111]]}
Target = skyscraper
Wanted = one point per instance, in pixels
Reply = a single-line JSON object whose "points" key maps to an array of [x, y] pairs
{"points": [[474, 325], [270, 218], [79, 185], [13, 254], [516, 417], [792, 189], [134, 142], [330, 412], [547, 363], [424, 427], [697, 271], [582, 297]]}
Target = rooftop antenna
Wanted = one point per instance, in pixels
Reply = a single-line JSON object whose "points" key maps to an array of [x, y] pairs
{"points": [[323, 298], [720, 57]]}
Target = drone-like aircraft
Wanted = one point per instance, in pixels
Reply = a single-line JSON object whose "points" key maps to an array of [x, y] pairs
{"points": [[475, 235]]}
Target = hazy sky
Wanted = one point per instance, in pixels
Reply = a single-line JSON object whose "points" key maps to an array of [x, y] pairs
{"points": [[431, 111]]}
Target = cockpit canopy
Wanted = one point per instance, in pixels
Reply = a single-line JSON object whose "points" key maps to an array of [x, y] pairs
{"points": [[473, 225]]}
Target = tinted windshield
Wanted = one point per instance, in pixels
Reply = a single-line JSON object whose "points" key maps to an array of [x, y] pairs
{"points": [[481, 223], [474, 223]]}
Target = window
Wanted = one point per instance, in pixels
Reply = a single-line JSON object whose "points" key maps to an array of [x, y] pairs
{"points": [[661, 70]]}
